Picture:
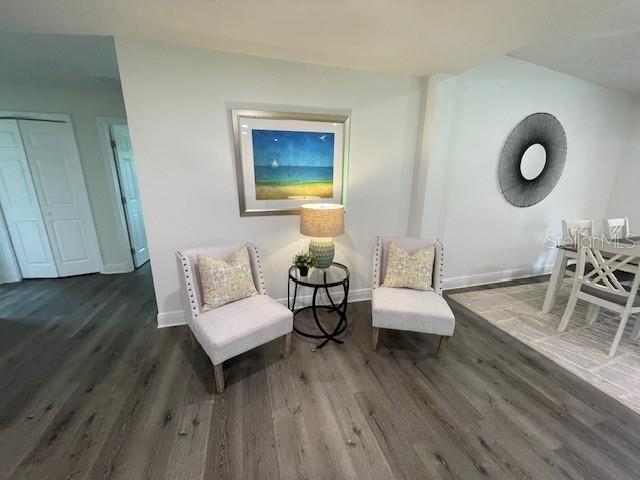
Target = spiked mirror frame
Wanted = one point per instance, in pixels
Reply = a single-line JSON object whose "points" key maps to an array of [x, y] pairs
{"points": [[538, 128]]}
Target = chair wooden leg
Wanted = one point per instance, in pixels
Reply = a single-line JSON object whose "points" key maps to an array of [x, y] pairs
{"points": [[616, 341], [375, 333], [568, 311], [441, 344], [636, 330], [194, 342], [218, 374], [592, 313], [555, 283], [286, 351]]}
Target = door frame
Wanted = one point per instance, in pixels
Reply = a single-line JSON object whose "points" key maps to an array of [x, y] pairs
{"points": [[62, 118], [104, 124]]}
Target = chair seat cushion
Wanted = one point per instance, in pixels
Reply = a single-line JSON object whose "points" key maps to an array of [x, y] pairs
{"points": [[239, 326], [411, 310], [609, 297]]}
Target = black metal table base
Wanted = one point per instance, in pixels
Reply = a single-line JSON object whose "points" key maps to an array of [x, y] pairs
{"points": [[341, 309]]}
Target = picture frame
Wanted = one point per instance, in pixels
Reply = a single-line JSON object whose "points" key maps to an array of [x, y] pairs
{"points": [[286, 159]]}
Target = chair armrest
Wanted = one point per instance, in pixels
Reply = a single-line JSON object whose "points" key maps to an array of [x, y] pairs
{"points": [[438, 267], [376, 264], [187, 287]]}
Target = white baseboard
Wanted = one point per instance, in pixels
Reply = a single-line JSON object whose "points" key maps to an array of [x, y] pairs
{"points": [[495, 277], [113, 268], [171, 319], [177, 317]]}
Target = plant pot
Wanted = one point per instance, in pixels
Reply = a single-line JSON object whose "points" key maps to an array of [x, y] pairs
{"points": [[304, 271]]}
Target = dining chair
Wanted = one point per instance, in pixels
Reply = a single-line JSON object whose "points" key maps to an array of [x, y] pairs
{"points": [[601, 285], [237, 327], [616, 228], [404, 308]]}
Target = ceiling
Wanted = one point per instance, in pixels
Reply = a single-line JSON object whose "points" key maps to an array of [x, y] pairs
{"points": [[58, 60], [604, 49], [407, 36]]}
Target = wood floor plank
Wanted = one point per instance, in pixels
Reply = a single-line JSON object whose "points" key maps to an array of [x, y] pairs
{"points": [[90, 389]]}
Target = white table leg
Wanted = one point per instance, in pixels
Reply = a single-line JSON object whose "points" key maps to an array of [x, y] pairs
{"points": [[557, 275]]}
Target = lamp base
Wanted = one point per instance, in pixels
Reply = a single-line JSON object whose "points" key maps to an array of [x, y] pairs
{"points": [[323, 250]]}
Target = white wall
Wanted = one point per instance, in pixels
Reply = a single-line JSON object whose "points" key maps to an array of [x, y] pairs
{"points": [[487, 239], [178, 101], [625, 198], [83, 105]]}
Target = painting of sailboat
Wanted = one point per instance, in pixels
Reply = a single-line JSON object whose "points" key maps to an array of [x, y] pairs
{"points": [[292, 164], [287, 159]]}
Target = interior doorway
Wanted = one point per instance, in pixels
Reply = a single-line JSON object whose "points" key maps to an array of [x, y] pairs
{"points": [[44, 197], [121, 161]]}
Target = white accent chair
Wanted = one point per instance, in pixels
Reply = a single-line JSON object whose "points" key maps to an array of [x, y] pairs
{"points": [[236, 327], [406, 309], [616, 228], [601, 285]]}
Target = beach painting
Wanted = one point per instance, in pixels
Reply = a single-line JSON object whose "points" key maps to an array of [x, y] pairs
{"points": [[290, 164], [287, 159]]}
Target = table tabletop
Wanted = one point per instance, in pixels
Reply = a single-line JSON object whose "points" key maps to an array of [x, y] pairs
{"points": [[336, 274]]}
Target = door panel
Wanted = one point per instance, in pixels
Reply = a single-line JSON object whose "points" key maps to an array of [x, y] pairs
{"points": [[74, 249], [21, 208], [127, 178], [57, 176]]}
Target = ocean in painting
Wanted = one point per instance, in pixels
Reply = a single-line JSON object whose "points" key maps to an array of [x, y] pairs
{"points": [[291, 164]]}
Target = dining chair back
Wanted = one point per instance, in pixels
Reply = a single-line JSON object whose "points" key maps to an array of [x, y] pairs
{"points": [[604, 284], [572, 229], [616, 228]]}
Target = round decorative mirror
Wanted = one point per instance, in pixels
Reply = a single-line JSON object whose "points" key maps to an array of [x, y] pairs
{"points": [[532, 160]]}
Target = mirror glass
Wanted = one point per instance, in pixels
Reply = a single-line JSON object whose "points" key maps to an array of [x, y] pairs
{"points": [[533, 161]]}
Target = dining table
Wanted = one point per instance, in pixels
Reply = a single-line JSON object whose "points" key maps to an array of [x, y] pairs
{"points": [[568, 252]]}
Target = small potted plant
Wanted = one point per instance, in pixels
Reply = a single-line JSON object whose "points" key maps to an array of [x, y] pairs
{"points": [[304, 261]]}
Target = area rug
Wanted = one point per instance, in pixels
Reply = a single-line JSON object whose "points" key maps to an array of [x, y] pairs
{"points": [[581, 349]]}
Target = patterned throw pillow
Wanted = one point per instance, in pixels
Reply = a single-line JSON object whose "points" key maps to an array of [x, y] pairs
{"points": [[409, 270], [225, 281]]}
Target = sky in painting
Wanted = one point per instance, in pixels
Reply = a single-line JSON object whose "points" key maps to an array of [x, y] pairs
{"points": [[292, 148]]}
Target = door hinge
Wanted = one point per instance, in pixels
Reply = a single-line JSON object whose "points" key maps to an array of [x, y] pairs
{"points": [[113, 144], [124, 200]]}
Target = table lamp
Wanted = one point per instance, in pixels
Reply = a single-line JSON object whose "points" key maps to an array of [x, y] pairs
{"points": [[322, 222]]}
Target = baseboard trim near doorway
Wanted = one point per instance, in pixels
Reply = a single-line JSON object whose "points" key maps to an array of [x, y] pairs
{"points": [[171, 319], [112, 268]]}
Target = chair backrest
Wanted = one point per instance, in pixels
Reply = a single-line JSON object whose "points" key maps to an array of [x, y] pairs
{"points": [[616, 228], [572, 229], [410, 244], [188, 266], [606, 261]]}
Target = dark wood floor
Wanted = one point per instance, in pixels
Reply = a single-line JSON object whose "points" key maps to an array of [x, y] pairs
{"points": [[90, 389]]}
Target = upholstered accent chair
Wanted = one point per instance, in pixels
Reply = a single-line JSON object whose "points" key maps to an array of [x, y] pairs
{"points": [[406, 309], [236, 327]]}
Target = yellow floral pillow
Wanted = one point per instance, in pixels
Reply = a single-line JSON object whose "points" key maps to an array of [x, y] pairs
{"points": [[225, 281], [409, 270]]}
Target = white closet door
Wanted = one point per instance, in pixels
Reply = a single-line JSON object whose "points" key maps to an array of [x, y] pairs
{"points": [[21, 209], [130, 194], [57, 175]]}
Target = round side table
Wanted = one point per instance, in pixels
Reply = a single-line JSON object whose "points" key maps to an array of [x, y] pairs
{"points": [[337, 275]]}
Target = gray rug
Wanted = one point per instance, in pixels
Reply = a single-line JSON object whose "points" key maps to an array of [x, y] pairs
{"points": [[580, 349]]}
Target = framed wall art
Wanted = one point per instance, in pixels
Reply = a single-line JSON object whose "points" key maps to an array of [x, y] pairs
{"points": [[284, 160]]}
